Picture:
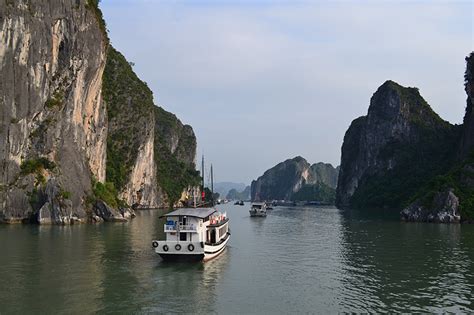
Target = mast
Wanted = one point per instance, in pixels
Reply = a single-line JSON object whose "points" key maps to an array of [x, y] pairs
{"points": [[212, 184], [202, 172]]}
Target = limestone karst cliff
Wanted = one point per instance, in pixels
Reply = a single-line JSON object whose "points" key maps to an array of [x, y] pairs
{"points": [[398, 147], [296, 178], [467, 139], [234, 194], [64, 150], [150, 153], [53, 123], [450, 196]]}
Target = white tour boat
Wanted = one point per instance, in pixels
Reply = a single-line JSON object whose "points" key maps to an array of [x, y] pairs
{"points": [[258, 210], [193, 234]]}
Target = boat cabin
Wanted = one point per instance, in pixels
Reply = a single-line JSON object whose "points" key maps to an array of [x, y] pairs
{"points": [[258, 206]]}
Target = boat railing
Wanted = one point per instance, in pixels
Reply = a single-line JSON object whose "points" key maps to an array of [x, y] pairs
{"points": [[182, 227], [170, 227], [187, 227]]}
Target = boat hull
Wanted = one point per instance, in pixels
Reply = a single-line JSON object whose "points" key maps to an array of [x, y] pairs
{"points": [[257, 214], [212, 251], [182, 257], [199, 254]]}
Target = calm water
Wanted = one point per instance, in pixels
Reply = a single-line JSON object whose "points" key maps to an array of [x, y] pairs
{"points": [[296, 259]]}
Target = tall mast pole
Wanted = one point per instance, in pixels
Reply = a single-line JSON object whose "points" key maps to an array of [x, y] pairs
{"points": [[202, 172], [212, 182], [202, 175], [212, 187]]}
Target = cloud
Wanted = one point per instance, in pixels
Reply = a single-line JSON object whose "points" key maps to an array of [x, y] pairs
{"points": [[264, 81]]}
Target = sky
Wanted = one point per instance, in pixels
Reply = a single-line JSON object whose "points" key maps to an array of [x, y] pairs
{"points": [[264, 81]]}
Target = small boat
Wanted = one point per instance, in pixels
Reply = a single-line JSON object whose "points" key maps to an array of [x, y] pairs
{"points": [[237, 203], [193, 234], [258, 210], [241, 203], [269, 205]]}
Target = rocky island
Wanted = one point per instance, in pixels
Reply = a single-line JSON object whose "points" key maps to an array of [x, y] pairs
{"points": [[80, 137], [402, 155], [296, 180]]}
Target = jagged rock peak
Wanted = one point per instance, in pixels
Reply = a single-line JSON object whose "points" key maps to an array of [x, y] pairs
{"points": [[400, 133], [467, 141], [393, 101], [282, 181]]}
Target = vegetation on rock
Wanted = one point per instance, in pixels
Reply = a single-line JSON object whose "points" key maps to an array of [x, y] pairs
{"points": [[285, 180], [416, 164], [393, 151], [107, 193], [93, 5], [317, 192], [460, 174], [36, 165], [129, 110], [233, 194], [132, 117], [175, 172]]}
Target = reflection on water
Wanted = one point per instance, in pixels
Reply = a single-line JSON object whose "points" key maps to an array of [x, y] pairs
{"points": [[296, 259], [109, 268], [406, 266]]}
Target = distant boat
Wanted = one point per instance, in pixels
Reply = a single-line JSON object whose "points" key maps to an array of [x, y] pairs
{"points": [[269, 205], [239, 203], [258, 210]]}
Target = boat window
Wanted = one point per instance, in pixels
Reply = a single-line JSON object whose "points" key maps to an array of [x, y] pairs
{"points": [[182, 236]]}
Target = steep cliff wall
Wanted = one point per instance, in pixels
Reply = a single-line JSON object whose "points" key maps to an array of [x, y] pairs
{"points": [[467, 140], [53, 124], [234, 194], [325, 173], [450, 197], [66, 153], [286, 179], [150, 153], [131, 133], [398, 147], [175, 153]]}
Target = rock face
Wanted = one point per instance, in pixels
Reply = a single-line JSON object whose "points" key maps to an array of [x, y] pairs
{"points": [[398, 147], [450, 197], [443, 208], [467, 140], [325, 173], [150, 153], [233, 194], [80, 136], [52, 56], [102, 212], [131, 130], [287, 178], [223, 188], [175, 152]]}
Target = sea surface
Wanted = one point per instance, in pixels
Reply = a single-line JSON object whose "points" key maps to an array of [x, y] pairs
{"points": [[302, 259]]}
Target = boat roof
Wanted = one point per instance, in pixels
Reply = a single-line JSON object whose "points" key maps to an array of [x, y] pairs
{"points": [[258, 203], [191, 212]]}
